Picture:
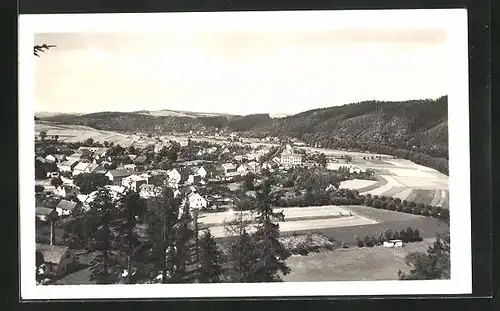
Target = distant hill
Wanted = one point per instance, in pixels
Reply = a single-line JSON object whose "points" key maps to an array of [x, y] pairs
{"points": [[416, 124], [179, 113], [399, 128]]}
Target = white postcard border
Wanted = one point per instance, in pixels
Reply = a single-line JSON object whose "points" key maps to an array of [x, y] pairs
{"points": [[453, 20]]}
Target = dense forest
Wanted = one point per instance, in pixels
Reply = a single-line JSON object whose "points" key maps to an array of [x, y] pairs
{"points": [[415, 130]]}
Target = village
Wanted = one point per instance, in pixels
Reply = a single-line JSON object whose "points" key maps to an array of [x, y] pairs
{"points": [[215, 179]]}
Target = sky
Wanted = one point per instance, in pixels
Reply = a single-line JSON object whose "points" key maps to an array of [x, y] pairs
{"points": [[238, 71]]}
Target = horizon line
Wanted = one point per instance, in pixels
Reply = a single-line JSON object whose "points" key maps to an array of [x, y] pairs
{"points": [[232, 114]]}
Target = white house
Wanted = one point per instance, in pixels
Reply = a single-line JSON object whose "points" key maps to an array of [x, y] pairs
{"points": [[66, 191], [228, 168], [174, 177], [51, 158], [196, 201], [134, 182], [65, 207], [291, 159], [243, 169], [202, 172]]}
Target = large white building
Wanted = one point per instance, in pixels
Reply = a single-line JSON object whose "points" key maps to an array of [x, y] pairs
{"points": [[290, 159]]}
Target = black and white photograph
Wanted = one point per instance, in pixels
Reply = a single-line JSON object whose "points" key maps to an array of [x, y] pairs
{"points": [[237, 154]]}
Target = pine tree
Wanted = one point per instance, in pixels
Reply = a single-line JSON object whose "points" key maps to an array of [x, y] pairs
{"points": [[242, 258], [210, 267], [435, 264], [183, 248], [161, 222], [131, 207], [104, 267], [270, 252]]}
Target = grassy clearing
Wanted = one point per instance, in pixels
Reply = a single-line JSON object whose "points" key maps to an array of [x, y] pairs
{"points": [[352, 264]]}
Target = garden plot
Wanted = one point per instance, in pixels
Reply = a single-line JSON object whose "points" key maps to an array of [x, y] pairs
{"points": [[357, 184], [291, 213], [301, 225]]}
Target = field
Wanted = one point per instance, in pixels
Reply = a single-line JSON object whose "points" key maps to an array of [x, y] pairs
{"points": [[77, 133], [352, 264], [306, 225], [296, 219], [401, 179], [291, 213]]}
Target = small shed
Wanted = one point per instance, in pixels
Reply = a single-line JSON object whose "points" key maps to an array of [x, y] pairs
{"points": [[393, 243]]}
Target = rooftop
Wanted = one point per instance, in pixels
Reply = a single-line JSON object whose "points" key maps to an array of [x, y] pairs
{"points": [[66, 205], [43, 211], [52, 253]]}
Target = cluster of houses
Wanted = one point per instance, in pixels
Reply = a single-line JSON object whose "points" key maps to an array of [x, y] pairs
{"points": [[185, 180]]}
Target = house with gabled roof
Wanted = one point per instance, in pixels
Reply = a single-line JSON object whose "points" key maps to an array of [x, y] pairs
{"points": [[174, 178], [228, 168], [67, 166], [45, 213], [66, 191], [65, 207], [116, 176], [134, 182], [57, 260], [100, 153], [196, 201], [81, 168]]}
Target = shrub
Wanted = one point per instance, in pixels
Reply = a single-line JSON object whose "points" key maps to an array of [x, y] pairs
{"points": [[397, 200], [400, 207], [396, 236], [405, 203], [369, 241], [383, 198], [409, 235], [388, 234], [392, 206], [369, 202], [417, 210], [377, 203], [425, 211], [434, 211], [375, 197], [360, 242], [416, 235], [385, 205], [412, 204], [408, 210]]}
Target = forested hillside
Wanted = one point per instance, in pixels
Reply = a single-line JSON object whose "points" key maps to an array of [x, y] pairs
{"points": [[416, 130], [412, 125]]}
